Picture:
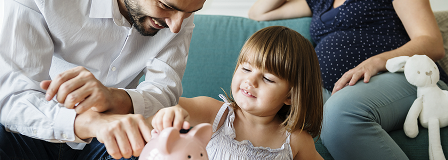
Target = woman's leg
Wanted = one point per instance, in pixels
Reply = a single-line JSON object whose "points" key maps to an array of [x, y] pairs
{"points": [[357, 118]]}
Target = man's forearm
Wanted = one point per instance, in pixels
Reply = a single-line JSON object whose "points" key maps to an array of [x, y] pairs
{"points": [[83, 122], [122, 102]]}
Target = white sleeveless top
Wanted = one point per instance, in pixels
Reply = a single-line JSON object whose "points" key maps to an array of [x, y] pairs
{"points": [[223, 145]]}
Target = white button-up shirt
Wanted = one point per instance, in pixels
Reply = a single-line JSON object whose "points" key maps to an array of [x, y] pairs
{"points": [[42, 38]]}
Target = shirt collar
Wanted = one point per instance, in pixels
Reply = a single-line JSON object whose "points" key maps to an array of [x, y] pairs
{"points": [[107, 9]]}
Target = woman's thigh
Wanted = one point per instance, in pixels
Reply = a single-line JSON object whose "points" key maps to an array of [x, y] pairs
{"points": [[357, 118]]}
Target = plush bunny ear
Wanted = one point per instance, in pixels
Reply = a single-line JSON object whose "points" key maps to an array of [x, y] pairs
{"points": [[396, 64], [203, 132]]}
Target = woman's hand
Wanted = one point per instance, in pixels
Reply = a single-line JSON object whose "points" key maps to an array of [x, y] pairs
{"points": [[174, 116], [368, 68]]}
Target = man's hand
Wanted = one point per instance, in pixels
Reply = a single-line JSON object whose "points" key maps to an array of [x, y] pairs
{"points": [[78, 89], [122, 135], [174, 116]]}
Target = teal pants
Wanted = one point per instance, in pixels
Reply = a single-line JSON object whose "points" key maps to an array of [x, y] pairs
{"points": [[357, 118]]}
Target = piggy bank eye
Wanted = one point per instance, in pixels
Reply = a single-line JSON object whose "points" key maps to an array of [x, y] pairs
{"points": [[418, 72], [189, 156], [201, 154]]}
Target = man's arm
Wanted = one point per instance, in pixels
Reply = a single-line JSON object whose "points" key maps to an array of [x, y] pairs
{"points": [[122, 135], [162, 86], [78, 89], [25, 58]]}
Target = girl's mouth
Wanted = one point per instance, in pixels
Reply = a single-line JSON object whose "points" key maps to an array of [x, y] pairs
{"points": [[246, 93]]}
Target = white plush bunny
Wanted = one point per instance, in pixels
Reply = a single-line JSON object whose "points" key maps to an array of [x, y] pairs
{"points": [[431, 103]]}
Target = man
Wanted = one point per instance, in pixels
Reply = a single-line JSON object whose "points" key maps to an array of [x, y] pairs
{"points": [[94, 52]]}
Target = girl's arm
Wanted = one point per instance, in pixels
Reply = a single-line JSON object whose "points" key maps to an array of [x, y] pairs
{"points": [[302, 145], [201, 109], [265, 10], [421, 26], [194, 110]]}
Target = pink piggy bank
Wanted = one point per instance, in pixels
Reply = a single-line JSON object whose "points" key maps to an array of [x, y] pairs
{"points": [[171, 145]]}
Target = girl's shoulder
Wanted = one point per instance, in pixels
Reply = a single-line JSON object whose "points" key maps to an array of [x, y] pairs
{"points": [[302, 145], [300, 138]]}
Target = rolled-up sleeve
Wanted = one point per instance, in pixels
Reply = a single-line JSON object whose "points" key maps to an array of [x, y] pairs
{"points": [[25, 58]]}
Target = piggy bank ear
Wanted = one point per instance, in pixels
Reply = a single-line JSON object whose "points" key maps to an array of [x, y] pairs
{"points": [[395, 64], [168, 138], [203, 132]]}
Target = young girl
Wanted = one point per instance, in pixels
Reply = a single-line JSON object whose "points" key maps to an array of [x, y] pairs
{"points": [[277, 102]]}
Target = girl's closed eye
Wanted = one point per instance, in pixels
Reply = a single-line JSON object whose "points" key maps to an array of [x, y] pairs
{"points": [[245, 69], [268, 80]]}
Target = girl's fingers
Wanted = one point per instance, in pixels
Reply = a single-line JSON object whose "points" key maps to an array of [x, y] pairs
{"points": [[168, 118], [157, 120], [186, 125], [178, 120]]}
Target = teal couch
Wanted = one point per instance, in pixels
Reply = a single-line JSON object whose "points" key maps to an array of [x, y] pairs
{"points": [[215, 45]]}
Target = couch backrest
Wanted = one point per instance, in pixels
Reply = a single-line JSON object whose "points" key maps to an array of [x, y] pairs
{"points": [[215, 46]]}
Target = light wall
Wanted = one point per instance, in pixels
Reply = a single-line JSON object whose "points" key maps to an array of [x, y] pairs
{"points": [[439, 5]]}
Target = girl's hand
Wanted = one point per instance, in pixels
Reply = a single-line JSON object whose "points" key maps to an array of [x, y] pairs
{"points": [[174, 116], [370, 67]]}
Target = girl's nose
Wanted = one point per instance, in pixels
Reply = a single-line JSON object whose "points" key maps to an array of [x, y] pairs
{"points": [[252, 82]]}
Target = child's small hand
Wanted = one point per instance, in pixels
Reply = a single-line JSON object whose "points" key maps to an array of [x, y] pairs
{"points": [[174, 116]]}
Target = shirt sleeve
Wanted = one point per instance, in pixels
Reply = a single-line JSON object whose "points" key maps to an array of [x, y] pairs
{"points": [[25, 58], [162, 86]]}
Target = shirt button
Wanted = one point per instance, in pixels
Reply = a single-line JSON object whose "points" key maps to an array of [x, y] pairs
{"points": [[64, 136], [34, 131], [113, 68]]}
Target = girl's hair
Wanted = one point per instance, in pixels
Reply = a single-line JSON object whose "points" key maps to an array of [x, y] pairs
{"points": [[287, 54]]}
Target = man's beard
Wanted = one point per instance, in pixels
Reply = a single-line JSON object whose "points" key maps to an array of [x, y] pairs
{"points": [[137, 19]]}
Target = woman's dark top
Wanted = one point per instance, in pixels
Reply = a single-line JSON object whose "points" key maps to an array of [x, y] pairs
{"points": [[353, 32]]}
